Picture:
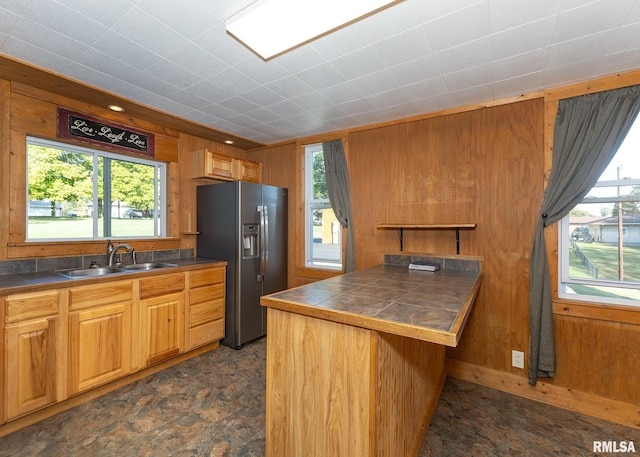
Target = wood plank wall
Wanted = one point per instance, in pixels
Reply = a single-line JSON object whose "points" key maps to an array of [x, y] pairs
{"points": [[483, 164], [486, 166]]}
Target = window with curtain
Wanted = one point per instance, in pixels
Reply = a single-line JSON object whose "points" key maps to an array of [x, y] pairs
{"points": [[323, 234], [599, 241], [79, 193]]}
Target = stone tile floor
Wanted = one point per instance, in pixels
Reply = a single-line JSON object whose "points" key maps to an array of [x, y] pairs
{"points": [[213, 405]]}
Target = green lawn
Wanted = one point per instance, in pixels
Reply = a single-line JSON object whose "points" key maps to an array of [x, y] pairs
{"points": [[605, 257], [64, 228]]}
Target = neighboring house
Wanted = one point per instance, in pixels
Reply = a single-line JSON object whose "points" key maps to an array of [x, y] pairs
{"points": [[43, 208], [607, 229]]}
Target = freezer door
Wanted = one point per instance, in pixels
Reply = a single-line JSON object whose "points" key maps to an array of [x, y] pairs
{"points": [[274, 200]]}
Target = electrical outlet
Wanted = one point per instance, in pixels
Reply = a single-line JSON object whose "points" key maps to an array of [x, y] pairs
{"points": [[517, 359]]}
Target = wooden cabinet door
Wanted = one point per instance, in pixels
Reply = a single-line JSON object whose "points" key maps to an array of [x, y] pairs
{"points": [[161, 327], [99, 345], [30, 371], [247, 170]]}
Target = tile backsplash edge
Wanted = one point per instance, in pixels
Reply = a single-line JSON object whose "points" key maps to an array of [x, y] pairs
{"points": [[446, 263], [59, 263]]}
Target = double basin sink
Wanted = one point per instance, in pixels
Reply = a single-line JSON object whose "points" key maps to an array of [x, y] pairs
{"points": [[105, 271]]}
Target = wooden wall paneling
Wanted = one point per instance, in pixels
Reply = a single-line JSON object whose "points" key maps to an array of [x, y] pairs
{"points": [[598, 357], [37, 117], [509, 189], [281, 167], [5, 149], [186, 215]]}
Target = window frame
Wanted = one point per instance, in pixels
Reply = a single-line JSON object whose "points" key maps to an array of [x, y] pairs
{"points": [[309, 202], [564, 246], [161, 176]]}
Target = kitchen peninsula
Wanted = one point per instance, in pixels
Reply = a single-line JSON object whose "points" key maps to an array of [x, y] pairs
{"points": [[355, 363]]}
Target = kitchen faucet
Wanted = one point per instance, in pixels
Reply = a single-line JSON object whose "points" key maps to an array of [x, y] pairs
{"points": [[111, 250]]}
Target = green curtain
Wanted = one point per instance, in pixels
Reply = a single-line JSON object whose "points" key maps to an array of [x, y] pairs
{"points": [[588, 132], [337, 174]]}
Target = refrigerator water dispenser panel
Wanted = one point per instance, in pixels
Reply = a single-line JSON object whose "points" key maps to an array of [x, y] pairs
{"points": [[250, 240]]}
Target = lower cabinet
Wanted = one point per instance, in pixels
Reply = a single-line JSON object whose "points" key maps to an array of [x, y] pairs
{"points": [[100, 334], [31, 352], [161, 318], [62, 342], [206, 306]]}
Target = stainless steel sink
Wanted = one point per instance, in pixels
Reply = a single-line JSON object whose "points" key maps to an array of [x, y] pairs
{"points": [[148, 266], [90, 272]]}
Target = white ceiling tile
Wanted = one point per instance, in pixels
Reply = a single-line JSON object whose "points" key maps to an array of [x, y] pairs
{"points": [[521, 64], [340, 93], [517, 40], [357, 63], [148, 32], [374, 83], [394, 50], [98, 10], [466, 55], [589, 18], [209, 91], [468, 24], [321, 76], [47, 39], [390, 21], [186, 17], [7, 20], [65, 21], [114, 44], [233, 81], [341, 42], [173, 74], [216, 41], [415, 55], [581, 49], [507, 14], [288, 87], [429, 11], [194, 59], [409, 72], [468, 78]]}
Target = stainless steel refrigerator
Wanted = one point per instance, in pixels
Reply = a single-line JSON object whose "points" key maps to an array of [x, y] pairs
{"points": [[246, 225]]}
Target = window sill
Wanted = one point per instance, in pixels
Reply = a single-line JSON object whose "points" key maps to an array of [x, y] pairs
{"points": [[317, 273], [612, 313]]}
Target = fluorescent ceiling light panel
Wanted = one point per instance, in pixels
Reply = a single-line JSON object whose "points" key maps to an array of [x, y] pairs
{"points": [[270, 27]]}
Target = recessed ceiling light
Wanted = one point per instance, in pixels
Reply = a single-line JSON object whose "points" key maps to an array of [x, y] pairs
{"points": [[229, 141], [116, 108]]}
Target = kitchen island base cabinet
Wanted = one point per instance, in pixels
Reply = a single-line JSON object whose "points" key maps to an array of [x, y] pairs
{"points": [[336, 389]]}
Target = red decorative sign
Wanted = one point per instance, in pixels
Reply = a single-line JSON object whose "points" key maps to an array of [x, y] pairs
{"points": [[98, 132]]}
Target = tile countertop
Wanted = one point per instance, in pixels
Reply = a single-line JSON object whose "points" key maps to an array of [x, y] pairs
{"points": [[429, 306], [31, 282]]}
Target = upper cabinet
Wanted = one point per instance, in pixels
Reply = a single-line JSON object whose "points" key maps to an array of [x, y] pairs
{"points": [[208, 164]]}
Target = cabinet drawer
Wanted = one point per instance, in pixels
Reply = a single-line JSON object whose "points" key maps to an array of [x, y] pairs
{"points": [[160, 285], [202, 294], [207, 277], [100, 294], [206, 311], [32, 305], [206, 333]]}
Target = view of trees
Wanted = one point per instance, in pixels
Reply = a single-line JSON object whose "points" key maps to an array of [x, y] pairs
{"points": [[62, 176]]}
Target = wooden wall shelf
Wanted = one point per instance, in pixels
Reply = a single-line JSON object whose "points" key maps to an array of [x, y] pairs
{"points": [[402, 227]]}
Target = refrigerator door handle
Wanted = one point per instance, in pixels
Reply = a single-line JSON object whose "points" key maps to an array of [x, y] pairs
{"points": [[262, 211], [264, 258]]}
